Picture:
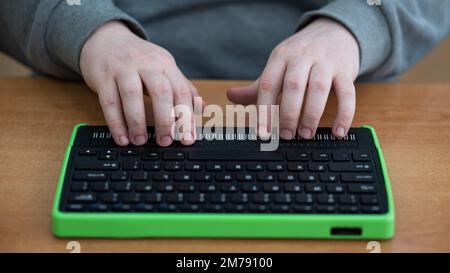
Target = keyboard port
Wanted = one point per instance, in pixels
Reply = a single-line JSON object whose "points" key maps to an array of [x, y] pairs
{"points": [[342, 231]]}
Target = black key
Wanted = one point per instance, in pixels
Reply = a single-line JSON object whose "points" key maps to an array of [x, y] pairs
{"points": [[144, 187], [290, 187], [150, 155], [140, 176], [245, 177], [302, 208], [279, 208], [326, 199], [307, 177], [371, 209], [265, 177], [218, 198], [297, 156], [241, 198], [347, 199], [328, 177], [228, 188], [341, 156], [319, 156], [119, 176], [271, 187], [189, 207], [197, 198], [152, 166], [255, 167], [208, 188], [203, 177], [317, 167], [369, 200], [175, 198], [282, 198], [180, 177], [296, 167], [350, 167], [304, 198], [257, 208], [212, 208], [122, 186], [335, 189], [165, 187], [161, 177], [89, 175], [184, 187], [87, 152], [326, 209], [100, 187], [234, 167], [129, 152], [213, 167], [235, 208], [361, 188], [79, 186], [144, 207], [275, 167], [357, 177], [131, 165], [261, 198], [222, 177], [286, 177], [98, 207], [192, 167], [96, 165], [75, 207], [172, 166], [108, 155], [234, 154], [173, 155], [314, 188], [109, 197], [121, 207], [250, 187], [167, 207], [361, 156], [130, 198], [82, 198], [348, 209], [152, 198]]}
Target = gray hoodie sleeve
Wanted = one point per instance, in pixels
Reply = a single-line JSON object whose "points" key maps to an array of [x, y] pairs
{"points": [[392, 35], [48, 34]]}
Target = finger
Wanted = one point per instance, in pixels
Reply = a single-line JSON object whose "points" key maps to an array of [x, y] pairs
{"points": [[131, 94], [160, 91], [294, 86], [112, 110], [182, 96], [319, 85], [244, 95], [346, 100], [270, 84]]}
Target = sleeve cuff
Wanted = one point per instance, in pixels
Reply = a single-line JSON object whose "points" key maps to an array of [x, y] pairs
{"points": [[367, 24], [69, 27]]}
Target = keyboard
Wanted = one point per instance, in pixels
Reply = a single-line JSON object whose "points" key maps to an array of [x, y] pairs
{"points": [[227, 187]]}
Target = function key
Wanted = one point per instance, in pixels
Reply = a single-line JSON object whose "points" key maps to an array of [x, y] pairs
{"points": [[253, 166], [96, 165], [235, 167], [173, 155], [150, 155], [108, 155], [213, 166], [129, 152], [341, 156], [275, 167], [350, 167], [87, 152], [192, 167], [322, 157], [89, 176], [296, 156], [361, 156], [360, 188], [356, 177]]}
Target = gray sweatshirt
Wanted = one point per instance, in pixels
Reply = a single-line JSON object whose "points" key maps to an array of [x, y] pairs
{"points": [[221, 38]]}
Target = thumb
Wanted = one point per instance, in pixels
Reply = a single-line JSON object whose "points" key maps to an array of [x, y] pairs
{"points": [[244, 95]]}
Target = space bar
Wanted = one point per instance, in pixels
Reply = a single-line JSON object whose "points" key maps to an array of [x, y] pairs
{"points": [[234, 155]]}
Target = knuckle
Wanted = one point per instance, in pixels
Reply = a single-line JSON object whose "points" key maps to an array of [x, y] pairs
{"points": [[130, 91], [108, 100], [293, 84], [318, 85], [160, 90], [266, 85], [312, 115], [279, 50], [346, 115]]}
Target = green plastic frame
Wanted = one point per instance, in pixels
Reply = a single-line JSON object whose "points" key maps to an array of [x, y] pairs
{"points": [[138, 225]]}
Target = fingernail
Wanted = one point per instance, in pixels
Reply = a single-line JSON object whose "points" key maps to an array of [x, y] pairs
{"points": [[263, 133], [306, 133], [140, 140], [124, 140], [166, 141], [286, 134], [340, 132], [188, 136]]}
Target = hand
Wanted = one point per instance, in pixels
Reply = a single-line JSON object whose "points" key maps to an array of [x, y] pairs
{"points": [[119, 66], [302, 70]]}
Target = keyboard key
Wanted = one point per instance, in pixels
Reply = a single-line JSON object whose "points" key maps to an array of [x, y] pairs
{"points": [[185, 187], [152, 166], [361, 188], [317, 167], [356, 177], [150, 155], [322, 157], [328, 177], [271, 187], [87, 152], [101, 187], [286, 177], [304, 198], [121, 207], [144, 207], [180, 177], [218, 198], [161, 176], [203, 177], [109, 197], [213, 167], [350, 167], [369, 200], [152, 198], [221, 177], [326, 209], [245, 177], [335, 189], [296, 167], [261, 198], [265, 177], [82, 198], [371, 209], [303, 208], [234, 167], [228, 188], [282, 198], [96, 165], [79, 186], [307, 177], [292, 188], [175, 198], [172, 166], [255, 167], [108, 155], [361, 156], [130, 198], [341, 156], [75, 207], [89, 175], [122, 186], [241, 198], [208, 188], [326, 199], [129, 152], [250, 187], [314, 188], [197, 198], [165, 187], [140, 176], [119, 176], [348, 209], [297, 156], [275, 167], [192, 167], [144, 187], [173, 155], [131, 165], [347, 199]]}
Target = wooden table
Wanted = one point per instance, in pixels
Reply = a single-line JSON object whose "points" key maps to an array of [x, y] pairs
{"points": [[37, 115]]}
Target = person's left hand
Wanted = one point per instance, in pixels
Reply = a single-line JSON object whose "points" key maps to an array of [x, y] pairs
{"points": [[302, 70]]}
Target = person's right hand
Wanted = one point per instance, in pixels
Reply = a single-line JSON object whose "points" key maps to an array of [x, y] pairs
{"points": [[119, 66]]}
